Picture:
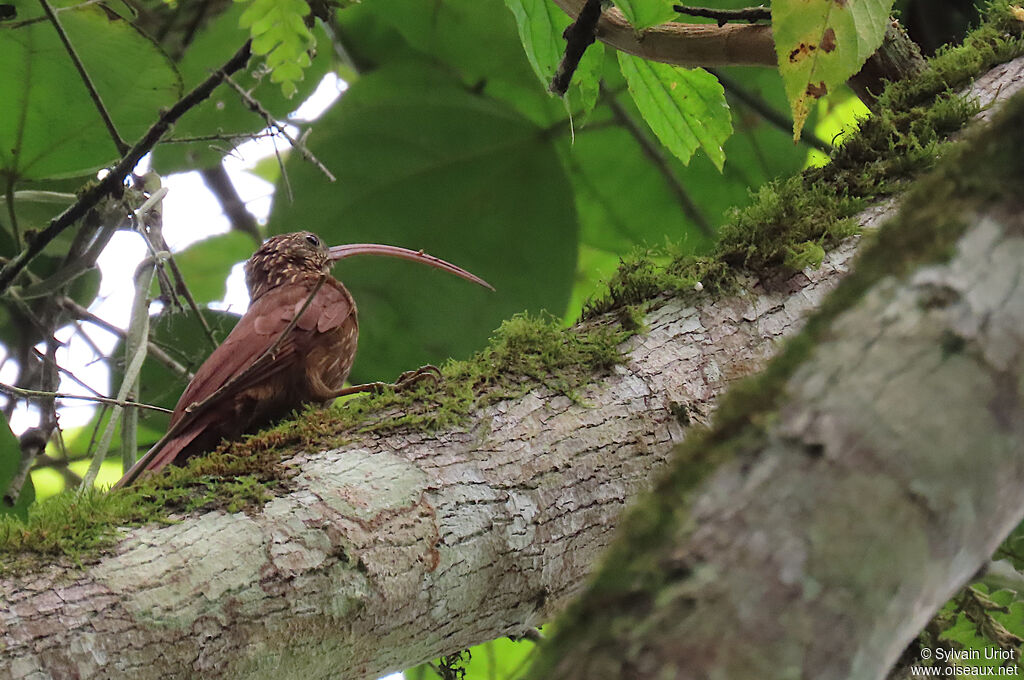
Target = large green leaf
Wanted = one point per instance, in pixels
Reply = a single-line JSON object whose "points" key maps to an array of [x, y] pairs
{"points": [[224, 113], [618, 189], [10, 461], [423, 163], [41, 138], [476, 40], [685, 108], [822, 43]]}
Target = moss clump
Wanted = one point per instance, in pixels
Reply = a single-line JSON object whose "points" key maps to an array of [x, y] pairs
{"points": [[791, 221], [79, 526], [523, 353]]}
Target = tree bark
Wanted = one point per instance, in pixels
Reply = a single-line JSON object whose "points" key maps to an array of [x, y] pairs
{"points": [[399, 548], [860, 484]]}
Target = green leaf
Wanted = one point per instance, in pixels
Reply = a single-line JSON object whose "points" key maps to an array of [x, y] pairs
{"points": [[205, 265], [224, 113], [685, 108], [279, 33], [10, 461], [40, 139], [618, 189], [424, 163], [502, 658], [541, 25], [822, 43], [643, 14]]}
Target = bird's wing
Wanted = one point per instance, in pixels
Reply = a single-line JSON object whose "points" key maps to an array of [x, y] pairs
{"points": [[257, 330]]}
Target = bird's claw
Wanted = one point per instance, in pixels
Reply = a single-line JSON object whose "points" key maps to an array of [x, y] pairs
{"points": [[411, 378]]}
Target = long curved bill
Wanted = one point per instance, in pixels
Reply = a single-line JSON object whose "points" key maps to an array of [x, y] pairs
{"points": [[341, 252]]}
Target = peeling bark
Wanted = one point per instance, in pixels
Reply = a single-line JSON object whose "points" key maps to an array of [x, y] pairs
{"points": [[399, 548]]}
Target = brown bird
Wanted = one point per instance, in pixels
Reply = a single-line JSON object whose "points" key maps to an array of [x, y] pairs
{"points": [[295, 345]]}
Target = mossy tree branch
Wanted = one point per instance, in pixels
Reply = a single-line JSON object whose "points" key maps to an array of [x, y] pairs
{"points": [[397, 547], [857, 484]]}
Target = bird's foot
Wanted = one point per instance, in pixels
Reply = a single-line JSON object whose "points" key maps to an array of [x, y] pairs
{"points": [[412, 378], [404, 382]]}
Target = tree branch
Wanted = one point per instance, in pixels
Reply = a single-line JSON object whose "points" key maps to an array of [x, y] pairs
{"points": [[845, 496], [724, 16], [684, 44]]}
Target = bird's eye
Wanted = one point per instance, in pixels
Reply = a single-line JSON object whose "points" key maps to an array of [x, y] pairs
{"points": [[313, 240]]}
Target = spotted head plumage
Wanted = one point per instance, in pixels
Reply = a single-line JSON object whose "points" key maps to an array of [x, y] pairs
{"points": [[287, 258]]}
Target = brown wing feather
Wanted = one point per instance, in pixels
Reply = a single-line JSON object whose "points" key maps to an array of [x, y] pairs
{"points": [[257, 330]]}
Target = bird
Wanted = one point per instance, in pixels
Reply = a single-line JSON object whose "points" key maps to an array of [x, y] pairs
{"points": [[295, 345]]}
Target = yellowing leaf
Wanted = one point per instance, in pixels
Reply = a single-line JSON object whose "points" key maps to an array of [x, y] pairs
{"points": [[822, 43]]}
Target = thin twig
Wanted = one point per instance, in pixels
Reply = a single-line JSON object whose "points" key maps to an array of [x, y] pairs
{"points": [[44, 461], [162, 251], [284, 170], [154, 349], [724, 16], [220, 137], [115, 178], [70, 374], [143, 280], [32, 442], [138, 327], [23, 393], [256, 107], [122, 146], [654, 154]]}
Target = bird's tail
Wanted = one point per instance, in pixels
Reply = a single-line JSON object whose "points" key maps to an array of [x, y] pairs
{"points": [[163, 453]]}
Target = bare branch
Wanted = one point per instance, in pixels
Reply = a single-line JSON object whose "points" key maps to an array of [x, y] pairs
{"points": [[23, 393], [684, 44]]}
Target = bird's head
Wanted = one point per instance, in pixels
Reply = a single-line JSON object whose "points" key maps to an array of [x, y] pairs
{"points": [[302, 256], [288, 258]]}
